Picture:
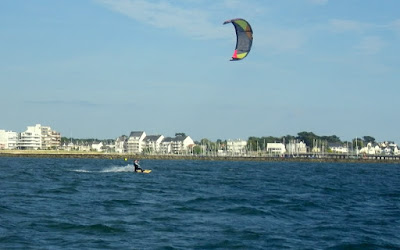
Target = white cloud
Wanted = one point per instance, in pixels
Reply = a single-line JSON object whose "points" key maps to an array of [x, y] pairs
{"points": [[371, 45], [196, 19], [162, 14]]}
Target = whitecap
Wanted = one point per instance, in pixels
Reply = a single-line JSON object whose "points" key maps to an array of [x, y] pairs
{"points": [[117, 169], [81, 171]]}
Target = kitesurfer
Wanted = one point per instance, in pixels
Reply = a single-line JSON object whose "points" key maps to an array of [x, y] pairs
{"points": [[137, 166]]}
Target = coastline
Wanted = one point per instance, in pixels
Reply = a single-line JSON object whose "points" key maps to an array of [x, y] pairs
{"points": [[97, 155]]}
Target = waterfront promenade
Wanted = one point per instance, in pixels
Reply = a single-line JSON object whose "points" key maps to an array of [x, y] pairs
{"points": [[128, 157]]}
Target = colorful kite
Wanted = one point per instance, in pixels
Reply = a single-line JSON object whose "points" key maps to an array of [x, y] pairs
{"points": [[244, 38]]}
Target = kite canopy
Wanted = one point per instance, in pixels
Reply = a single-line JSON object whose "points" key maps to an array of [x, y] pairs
{"points": [[244, 38]]}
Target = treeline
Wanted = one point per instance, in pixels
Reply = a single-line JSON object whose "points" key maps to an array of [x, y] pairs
{"points": [[309, 138]]}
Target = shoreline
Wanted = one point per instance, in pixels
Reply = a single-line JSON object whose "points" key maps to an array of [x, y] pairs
{"points": [[97, 155]]}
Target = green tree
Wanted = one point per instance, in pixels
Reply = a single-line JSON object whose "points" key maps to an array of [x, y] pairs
{"points": [[307, 137], [252, 143], [368, 139], [289, 138], [331, 139], [197, 150], [256, 143]]}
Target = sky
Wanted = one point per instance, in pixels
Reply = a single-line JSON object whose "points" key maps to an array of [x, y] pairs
{"points": [[103, 68]]}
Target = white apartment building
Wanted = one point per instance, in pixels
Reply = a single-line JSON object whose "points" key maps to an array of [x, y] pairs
{"points": [[121, 144], [153, 143], [97, 146], [8, 139], [39, 137], [166, 145], [276, 148], [50, 138], [182, 144], [178, 145], [236, 147], [31, 139], [135, 142]]}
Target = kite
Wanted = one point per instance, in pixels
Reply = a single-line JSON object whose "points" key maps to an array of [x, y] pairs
{"points": [[244, 38]]}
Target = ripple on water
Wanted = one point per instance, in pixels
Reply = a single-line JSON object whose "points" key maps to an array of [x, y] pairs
{"points": [[100, 204]]}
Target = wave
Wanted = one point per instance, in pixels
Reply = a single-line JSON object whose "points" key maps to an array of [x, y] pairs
{"points": [[116, 169], [81, 171], [113, 169]]}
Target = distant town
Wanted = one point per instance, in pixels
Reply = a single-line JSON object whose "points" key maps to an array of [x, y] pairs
{"points": [[40, 137]]}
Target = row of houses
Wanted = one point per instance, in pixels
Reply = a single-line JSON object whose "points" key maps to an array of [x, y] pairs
{"points": [[383, 148], [295, 147], [35, 137], [43, 137], [139, 142]]}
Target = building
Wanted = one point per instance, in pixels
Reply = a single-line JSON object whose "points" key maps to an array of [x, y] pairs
{"points": [[392, 148], [338, 148], [84, 146], [166, 145], [97, 146], [121, 144], [295, 147], [70, 146], [39, 137], [135, 142], [276, 148], [236, 147], [8, 139], [153, 143], [31, 139], [180, 144], [50, 138]]}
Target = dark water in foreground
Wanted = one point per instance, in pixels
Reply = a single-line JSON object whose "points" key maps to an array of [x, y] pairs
{"points": [[79, 203]]}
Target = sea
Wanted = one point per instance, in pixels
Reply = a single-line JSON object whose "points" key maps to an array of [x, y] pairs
{"points": [[54, 203]]}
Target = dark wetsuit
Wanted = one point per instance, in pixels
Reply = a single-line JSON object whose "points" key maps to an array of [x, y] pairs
{"points": [[137, 168]]}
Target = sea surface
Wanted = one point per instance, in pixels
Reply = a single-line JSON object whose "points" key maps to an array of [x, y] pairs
{"points": [[103, 204]]}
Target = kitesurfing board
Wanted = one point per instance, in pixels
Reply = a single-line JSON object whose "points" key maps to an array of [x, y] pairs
{"points": [[145, 171]]}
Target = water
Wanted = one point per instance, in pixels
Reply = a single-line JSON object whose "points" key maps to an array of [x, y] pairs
{"points": [[103, 204]]}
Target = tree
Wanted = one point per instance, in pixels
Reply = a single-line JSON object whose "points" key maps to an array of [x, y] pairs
{"points": [[197, 150], [252, 143], [368, 139], [307, 137], [256, 143], [289, 138], [331, 139]]}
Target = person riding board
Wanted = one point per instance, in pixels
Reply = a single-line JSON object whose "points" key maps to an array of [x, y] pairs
{"points": [[137, 166]]}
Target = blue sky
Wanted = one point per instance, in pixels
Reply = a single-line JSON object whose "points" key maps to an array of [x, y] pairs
{"points": [[103, 68]]}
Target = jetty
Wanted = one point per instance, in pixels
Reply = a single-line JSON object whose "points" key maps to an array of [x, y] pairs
{"points": [[308, 157]]}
